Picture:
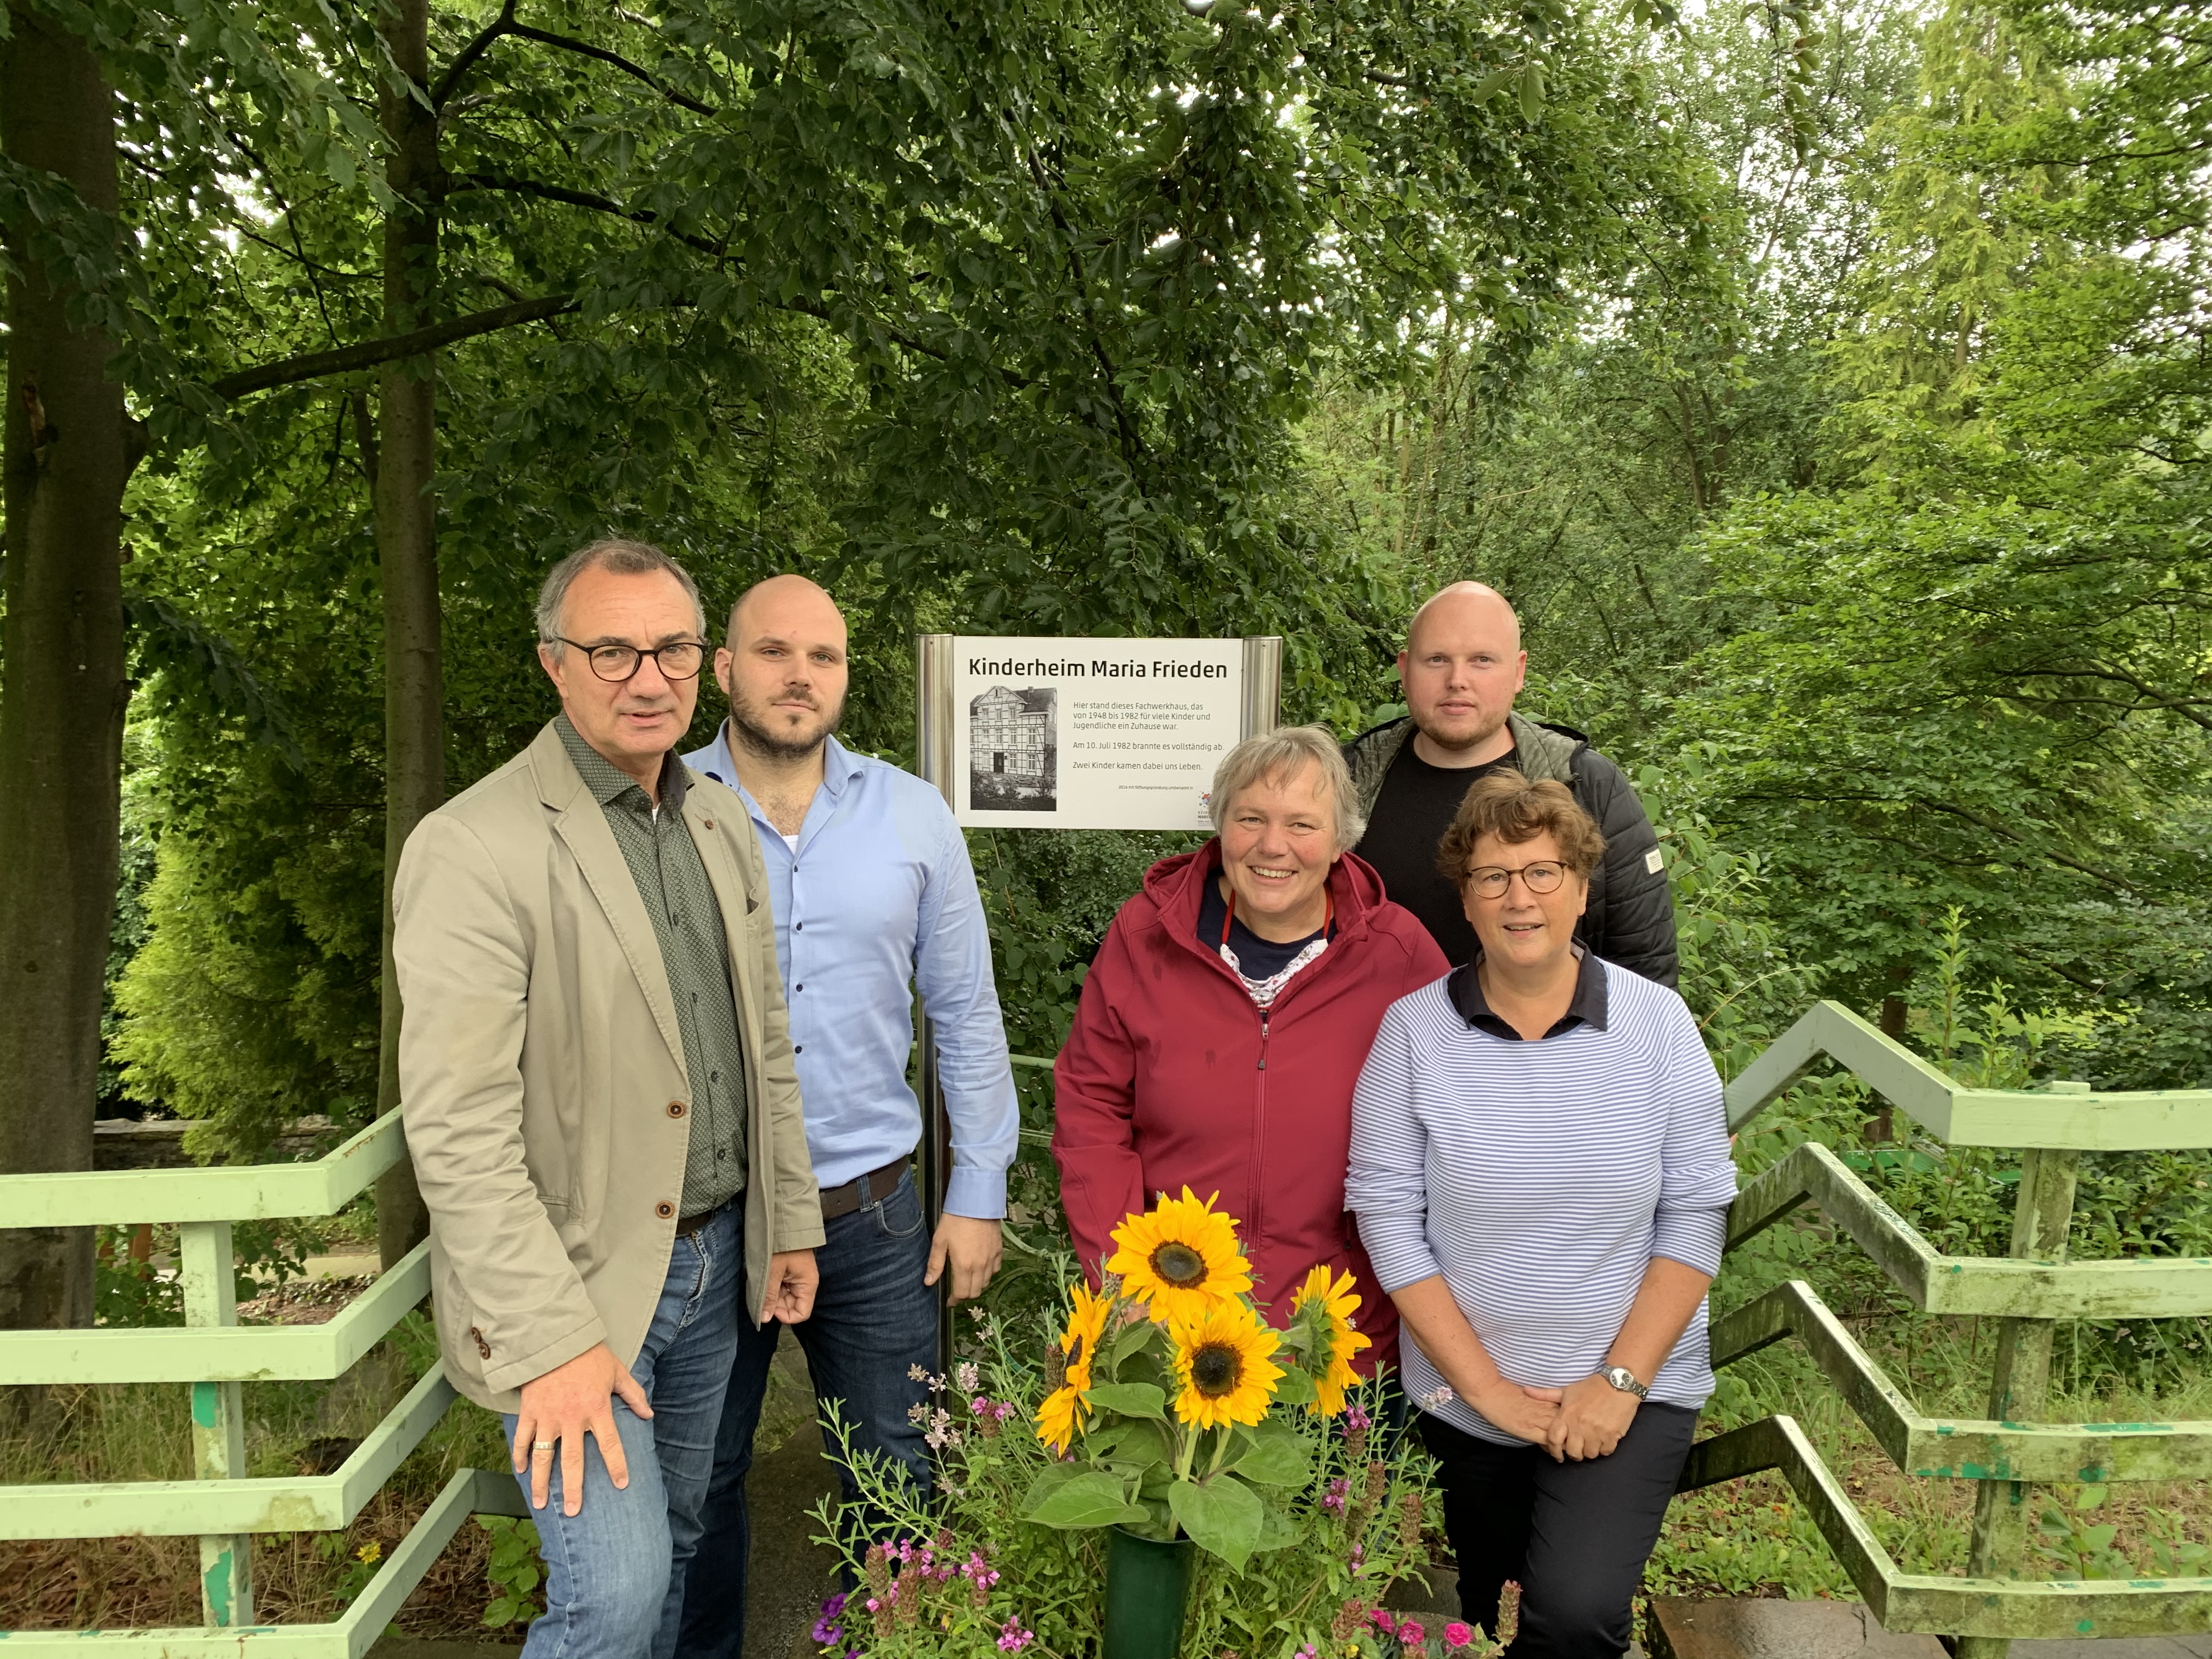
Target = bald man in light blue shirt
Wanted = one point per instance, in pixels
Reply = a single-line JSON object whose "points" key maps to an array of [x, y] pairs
{"points": [[874, 901]]}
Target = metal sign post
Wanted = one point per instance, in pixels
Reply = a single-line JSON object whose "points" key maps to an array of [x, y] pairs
{"points": [[937, 674]]}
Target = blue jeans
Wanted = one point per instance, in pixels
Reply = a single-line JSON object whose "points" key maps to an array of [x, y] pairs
{"points": [[873, 1318], [614, 1570]]}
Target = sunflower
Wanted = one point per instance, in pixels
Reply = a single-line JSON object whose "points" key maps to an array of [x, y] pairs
{"points": [[1179, 1260], [1333, 1305], [1221, 1356], [1055, 1418], [1064, 1409], [1086, 1324]]}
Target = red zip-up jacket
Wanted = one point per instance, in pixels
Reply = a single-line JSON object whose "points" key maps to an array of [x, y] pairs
{"points": [[1172, 1078]]}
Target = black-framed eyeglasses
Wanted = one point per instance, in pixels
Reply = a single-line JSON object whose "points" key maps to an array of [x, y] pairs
{"points": [[680, 660], [1490, 881]]}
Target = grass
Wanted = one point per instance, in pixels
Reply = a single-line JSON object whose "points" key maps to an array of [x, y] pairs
{"points": [[143, 1432], [1752, 1538]]}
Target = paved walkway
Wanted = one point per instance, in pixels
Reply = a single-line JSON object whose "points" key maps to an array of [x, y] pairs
{"points": [[1752, 1629]]}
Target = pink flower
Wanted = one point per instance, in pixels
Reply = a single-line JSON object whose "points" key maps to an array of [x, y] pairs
{"points": [[1382, 1622], [1339, 1489], [1012, 1639], [1410, 1634], [1357, 1418], [1457, 1635]]}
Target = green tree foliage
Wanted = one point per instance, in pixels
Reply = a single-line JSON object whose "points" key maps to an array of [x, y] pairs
{"points": [[1002, 317]]}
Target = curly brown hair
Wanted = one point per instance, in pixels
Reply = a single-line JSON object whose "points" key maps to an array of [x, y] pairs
{"points": [[1507, 805]]}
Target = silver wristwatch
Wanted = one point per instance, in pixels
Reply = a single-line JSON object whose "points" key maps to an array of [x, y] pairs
{"points": [[1624, 1379]]}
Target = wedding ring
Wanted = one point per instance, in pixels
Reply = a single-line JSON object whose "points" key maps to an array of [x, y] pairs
{"points": [[541, 1445]]}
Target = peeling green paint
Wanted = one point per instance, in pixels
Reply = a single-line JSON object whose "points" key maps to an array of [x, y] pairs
{"points": [[215, 1588], [207, 1404]]}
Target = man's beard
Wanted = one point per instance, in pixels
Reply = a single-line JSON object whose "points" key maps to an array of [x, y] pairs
{"points": [[1458, 745], [768, 745]]}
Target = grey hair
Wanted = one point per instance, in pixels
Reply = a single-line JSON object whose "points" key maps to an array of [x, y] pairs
{"points": [[1286, 749], [625, 558]]}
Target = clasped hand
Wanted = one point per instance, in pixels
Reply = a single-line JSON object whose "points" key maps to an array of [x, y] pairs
{"points": [[1582, 1420]]}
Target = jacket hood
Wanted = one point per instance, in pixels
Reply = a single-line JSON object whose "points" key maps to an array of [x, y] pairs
{"points": [[1175, 887]]}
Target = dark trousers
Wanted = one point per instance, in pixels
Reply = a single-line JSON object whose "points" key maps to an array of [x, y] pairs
{"points": [[1574, 1536], [873, 1321]]}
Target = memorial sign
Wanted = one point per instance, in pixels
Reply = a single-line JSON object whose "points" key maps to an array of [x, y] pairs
{"points": [[1092, 734], [1075, 734]]}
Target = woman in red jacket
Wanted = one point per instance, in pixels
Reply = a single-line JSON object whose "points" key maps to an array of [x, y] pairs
{"points": [[1225, 1020]]}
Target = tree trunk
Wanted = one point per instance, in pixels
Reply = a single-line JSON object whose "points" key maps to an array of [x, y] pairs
{"points": [[407, 548], [68, 453]]}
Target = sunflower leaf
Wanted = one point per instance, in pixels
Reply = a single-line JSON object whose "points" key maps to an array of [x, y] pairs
{"points": [[1087, 1498], [1276, 1456], [1134, 1339], [1224, 1517], [1130, 1399], [1138, 1442], [1296, 1388]]}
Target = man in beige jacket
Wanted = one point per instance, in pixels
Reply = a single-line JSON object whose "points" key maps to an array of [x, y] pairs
{"points": [[600, 1101]]}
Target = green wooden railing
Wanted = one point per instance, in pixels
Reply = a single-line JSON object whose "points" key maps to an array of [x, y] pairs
{"points": [[2010, 1451], [213, 1355], [2006, 1454]]}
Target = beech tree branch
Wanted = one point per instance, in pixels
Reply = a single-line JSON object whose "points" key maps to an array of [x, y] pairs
{"points": [[367, 353], [465, 58], [584, 48], [582, 198]]}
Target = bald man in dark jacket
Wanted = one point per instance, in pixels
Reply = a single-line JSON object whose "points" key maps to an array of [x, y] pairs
{"points": [[1462, 666]]}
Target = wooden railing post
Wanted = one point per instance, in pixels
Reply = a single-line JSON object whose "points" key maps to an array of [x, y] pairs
{"points": [[2019, 1385], [211, 1286]]}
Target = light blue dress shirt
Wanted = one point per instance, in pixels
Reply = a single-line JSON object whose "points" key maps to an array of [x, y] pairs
{"points": [[878, 901]]}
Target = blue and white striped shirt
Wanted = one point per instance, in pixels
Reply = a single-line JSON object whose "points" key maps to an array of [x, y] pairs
{"points": [[1542, 1178]]}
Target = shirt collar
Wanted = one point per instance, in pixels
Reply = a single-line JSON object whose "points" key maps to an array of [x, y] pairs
{"points": [[609, 783], [840, 766], [1587, 1006]]}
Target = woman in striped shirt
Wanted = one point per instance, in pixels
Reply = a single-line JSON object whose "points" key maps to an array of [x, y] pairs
{"points": [[1540, 1165]]}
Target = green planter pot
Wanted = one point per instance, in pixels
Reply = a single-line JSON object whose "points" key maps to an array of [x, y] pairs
{"points": [[1147, 1586]]}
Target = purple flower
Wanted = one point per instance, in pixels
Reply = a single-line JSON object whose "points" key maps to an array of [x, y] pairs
{"points": [[1338, 1493], [1357, 1417], [827, 1632], [1012, 1639]]}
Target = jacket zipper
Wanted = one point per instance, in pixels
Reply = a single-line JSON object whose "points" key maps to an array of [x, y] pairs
{"points": [[1257, 1223]]}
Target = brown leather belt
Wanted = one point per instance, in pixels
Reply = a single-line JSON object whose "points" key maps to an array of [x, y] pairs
{"points": [[871, 1189], [692, 1224]]}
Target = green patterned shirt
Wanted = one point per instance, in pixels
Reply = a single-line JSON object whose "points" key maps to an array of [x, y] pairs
{"points": [[694, 950]]}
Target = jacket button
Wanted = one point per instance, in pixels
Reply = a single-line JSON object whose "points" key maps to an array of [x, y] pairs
{"points": [[676, 1108], [483, 1348], [664, 1209], [710, 823]]}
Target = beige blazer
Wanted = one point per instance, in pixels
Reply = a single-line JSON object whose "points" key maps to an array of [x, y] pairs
{"points": [[542, 1071]]}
